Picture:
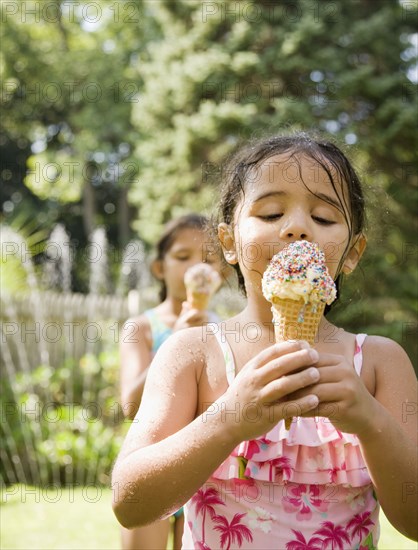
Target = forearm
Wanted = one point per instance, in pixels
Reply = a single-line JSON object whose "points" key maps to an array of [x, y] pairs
{"points": [[391, 458], [154, 481]]}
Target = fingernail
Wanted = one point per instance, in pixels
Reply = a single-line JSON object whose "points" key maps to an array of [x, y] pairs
{"points": [[313, 354], [313, 400], [313, 374]]}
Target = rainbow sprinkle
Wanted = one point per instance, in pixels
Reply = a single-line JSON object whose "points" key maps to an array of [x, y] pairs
{"points": [[299, 272]]}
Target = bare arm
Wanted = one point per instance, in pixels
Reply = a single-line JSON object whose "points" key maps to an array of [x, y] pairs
{"points": [[168, 453], [385, 423], [389, 442], [153, 459], [135, 354], [135, 358]]}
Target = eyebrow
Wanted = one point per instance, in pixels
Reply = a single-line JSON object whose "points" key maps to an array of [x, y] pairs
{"points": [[322, 196]]}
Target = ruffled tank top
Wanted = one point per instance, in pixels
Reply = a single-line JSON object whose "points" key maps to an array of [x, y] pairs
{"points": [[303, 489]]}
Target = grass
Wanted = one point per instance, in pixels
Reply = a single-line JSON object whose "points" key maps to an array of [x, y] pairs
{"points": [[82, 518]]}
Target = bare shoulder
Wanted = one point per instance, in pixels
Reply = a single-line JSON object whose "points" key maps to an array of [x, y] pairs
{"points": [[396, 382], [188, 348], [386, 356], [170, 398], [135, 329], [140, 321]]}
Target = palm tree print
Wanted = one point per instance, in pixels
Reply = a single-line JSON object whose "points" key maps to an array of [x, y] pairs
{"points": [[204, 501], [359, 525], [232, 532], [315, 543], [333, 536]]}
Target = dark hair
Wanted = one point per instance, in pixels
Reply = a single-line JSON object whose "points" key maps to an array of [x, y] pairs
{"points": [[169, 235], [331, 159]]}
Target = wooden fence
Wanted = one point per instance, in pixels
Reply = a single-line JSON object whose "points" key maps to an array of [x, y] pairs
{"points": [[61, 420], [48, 327]]}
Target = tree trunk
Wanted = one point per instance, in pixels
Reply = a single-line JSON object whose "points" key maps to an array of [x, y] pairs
{"points": [[89, 208], [123, 217]]}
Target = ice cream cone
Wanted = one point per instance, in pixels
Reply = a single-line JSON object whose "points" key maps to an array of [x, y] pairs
{"points": [[198, 300], [298, 285], [295, 320], [201, 282]]}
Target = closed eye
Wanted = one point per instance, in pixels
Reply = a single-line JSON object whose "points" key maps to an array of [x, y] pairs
{"points": [[271, 217], [322, 221]]}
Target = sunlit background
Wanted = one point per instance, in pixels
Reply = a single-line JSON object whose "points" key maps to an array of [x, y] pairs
{"points": [[116, 116]]}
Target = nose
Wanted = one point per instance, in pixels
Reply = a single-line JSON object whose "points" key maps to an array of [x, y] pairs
{"points": [[295, 227]]}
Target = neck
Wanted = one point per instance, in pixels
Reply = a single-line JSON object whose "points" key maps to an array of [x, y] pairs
{"points": [[257, 314], [171, 306]]}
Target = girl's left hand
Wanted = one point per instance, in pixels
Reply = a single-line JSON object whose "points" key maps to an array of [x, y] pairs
{"points": [[343, 397]]}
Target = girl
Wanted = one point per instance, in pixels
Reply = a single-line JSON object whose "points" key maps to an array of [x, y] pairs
{"points": [[184, 243], [210, 430]]}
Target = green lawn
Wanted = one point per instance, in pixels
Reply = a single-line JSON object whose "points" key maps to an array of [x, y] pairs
{"points": [[83, 519]]}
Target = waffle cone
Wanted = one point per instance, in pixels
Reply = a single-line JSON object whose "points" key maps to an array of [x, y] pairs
{"points": [[198, 300], [288, 324]]}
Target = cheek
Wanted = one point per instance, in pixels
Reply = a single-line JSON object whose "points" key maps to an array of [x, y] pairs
{"points": [[254, 244], [175, 270], [334, 251]]}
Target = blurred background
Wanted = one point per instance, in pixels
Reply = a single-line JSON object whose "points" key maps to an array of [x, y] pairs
{"points": [[117, 115]]}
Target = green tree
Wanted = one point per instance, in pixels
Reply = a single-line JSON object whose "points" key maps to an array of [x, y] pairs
{"points": [[69, 82], [145, 99], [224, 71]]}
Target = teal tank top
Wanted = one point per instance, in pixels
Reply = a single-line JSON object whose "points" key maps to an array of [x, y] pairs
{"points": [[160, 331]]}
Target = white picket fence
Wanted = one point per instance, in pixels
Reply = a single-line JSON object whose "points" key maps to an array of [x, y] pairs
{"points": [[46, 327], [44, 333]]}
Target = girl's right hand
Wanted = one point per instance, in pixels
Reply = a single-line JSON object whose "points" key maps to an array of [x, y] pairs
{"points": [[190, 317], [256, 400]]}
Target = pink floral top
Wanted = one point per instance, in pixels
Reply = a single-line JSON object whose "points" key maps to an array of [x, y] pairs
{"points": [[303, 489]]}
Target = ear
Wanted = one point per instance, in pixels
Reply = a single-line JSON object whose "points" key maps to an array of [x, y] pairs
{"points": [[355, 254], [157, 269], [226, 237]]}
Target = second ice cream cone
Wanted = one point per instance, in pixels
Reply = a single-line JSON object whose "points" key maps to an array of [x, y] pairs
{"points": [[201, 282], [198, 300]]}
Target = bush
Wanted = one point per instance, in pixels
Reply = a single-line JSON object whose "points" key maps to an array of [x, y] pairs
{"points": [[62, 425]]}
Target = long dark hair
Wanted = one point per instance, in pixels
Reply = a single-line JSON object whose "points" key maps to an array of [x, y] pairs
{"points": [[326, 154], [169, 235]]}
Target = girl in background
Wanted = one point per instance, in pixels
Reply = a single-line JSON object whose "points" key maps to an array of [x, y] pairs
{"points": [[184, 243]]}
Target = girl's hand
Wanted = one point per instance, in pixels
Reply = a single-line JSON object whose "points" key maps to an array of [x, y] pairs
{"points": [[343, 397], [255, 401], [190, 317]]}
